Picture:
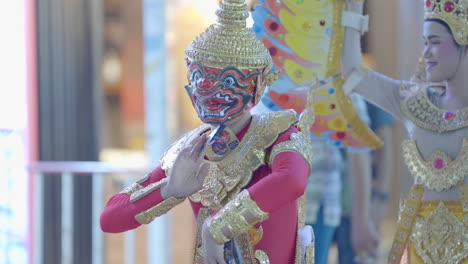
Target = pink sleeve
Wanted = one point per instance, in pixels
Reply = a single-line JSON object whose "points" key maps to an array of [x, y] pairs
{"points": [[288, 178], [119, 213]]}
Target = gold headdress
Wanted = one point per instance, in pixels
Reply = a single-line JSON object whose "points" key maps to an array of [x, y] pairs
{"points": [[452, 12], [229, 42]]}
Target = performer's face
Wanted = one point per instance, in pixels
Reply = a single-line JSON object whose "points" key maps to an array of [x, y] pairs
{"points": [[220, 95], [441, 52]]}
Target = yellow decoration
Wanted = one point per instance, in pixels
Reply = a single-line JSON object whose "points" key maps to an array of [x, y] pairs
{"points": [[452, 12], [437, 179], [229, 42]]}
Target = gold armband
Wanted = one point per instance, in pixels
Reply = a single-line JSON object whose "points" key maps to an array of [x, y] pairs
{"points": [[142, 192], [232, 218], [149, 215], [136, 185], [299, 143]]}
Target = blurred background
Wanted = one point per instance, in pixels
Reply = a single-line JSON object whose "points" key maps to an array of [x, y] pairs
{"points": [[91, 95]]}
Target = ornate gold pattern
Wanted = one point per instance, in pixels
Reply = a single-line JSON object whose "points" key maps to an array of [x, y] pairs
{"points": [[440, 238], [420, 110], [136, 185], [439, 172], [149, 215], [262, 257], [452, 12], [229, 42], [142, 192], [405, 223], [246, 249], [203, 214], [235, 171], [310, 254], [231, 218], [301, 212], [299, 143]]}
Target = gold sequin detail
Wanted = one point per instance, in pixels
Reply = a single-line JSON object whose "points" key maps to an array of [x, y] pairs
{"points": [[452, 12], [299, 143], [230, 175], [262, 257], [231, 217], [440, 238], [431, 177], [149, 215], [405, 223], [142, 192], [203, 214], [136, 185], [229, 42], [420, 110]]}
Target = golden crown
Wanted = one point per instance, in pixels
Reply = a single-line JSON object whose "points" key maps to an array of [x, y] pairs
{"points": [[452, 12], [229, 42]]}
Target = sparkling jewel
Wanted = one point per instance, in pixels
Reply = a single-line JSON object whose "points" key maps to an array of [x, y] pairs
{"points": [[449, 6], [438, 163], [448, 115]]}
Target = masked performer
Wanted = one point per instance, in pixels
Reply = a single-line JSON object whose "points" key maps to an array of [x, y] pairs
{"points": [[244, 174], [433, 220]]}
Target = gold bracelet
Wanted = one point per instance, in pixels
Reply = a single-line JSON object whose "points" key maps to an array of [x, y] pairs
{"points": [[149, 215], [216, 229], [232, 218]]}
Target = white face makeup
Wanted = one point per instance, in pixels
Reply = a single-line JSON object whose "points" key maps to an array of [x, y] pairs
{"points": [[441, 52]]}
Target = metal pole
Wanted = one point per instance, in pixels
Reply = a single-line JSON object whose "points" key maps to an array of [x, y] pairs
{"points": [[154, 27]]}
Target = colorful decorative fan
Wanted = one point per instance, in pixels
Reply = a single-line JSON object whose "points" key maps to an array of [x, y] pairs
{"points": [[305, 39]]}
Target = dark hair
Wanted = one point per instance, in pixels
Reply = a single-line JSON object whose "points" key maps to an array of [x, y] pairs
{"points": [[443, 23]]}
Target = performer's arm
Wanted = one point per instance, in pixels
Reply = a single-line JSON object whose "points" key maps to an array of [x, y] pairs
{"points": [[138, 204], [375, 87], [287, 182], [154, 196]]}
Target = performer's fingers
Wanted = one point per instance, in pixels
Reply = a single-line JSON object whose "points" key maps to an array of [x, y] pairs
{"points": [[184, 152], [197, 147], [201, 148], [202, 172]]}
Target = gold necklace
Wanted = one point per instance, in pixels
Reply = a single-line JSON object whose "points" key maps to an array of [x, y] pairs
{"points": [[422, 112]]}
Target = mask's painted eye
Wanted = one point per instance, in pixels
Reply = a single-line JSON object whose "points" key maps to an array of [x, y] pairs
{"points": [[195, 76], [229, 81]]}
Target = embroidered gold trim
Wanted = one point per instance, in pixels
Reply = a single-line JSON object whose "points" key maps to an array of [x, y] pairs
{"points": [[230, 175], [262, 257], [149, 215], [438, 179], [142, 192], [231, 218], [405, 223], [310, 254], [299, 143], [136, 185], [440, 238], [246, 249], [420, 110], [198, 248]]}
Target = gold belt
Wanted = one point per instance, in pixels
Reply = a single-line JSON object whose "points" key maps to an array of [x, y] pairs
{"points": [[437, 234]]}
